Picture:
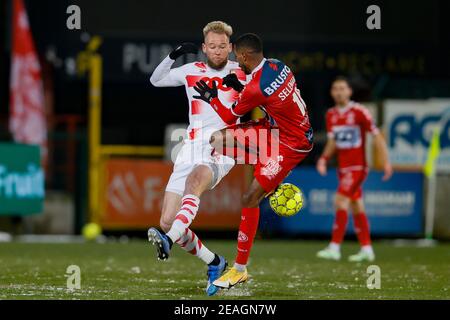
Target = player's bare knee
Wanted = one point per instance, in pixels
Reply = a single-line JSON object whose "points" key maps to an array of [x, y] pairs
{"points": [[341, 203], [341, 206], [245, 200], [249, 200], [357, 208], [192, 185], [197, 180]]}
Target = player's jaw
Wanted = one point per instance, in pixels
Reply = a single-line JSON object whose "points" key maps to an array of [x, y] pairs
{"points": [[245, 68], [217, 63], [242, 62]]}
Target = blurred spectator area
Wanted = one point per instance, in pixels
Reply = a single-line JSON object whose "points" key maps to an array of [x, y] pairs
{"points": [[67, 140]]}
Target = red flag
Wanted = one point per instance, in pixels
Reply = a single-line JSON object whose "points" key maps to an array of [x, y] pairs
{"points": [[27, 109]]}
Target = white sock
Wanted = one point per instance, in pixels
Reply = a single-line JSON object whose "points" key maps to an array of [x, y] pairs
{"points": [[334, 246], [184, 217], [239, 267], [367, 249], [192, 244]]}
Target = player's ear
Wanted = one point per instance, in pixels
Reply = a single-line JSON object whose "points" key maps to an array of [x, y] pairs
{"points": [[230, 47], [244, 56], [204, 48]]}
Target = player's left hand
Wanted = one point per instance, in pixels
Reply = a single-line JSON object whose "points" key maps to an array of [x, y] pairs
{"points": [[182, 49], [388, 171], [206, 93]]}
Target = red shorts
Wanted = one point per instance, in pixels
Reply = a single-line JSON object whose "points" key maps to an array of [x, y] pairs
{"points": [[350, 183], [254, 144]]}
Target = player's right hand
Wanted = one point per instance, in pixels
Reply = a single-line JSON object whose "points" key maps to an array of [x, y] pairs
{"points": [[182, 49], [232, 81], [206, 93], [387, 171], [321, 166]]}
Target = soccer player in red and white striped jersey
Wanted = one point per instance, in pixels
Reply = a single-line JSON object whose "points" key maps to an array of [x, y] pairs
{"points": [[197, 168]]}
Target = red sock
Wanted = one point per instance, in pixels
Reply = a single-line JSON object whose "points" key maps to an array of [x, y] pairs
{"points": [[361, 224], [339, 226], [247, 232]]}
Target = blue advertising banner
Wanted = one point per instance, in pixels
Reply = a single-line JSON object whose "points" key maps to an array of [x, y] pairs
{"points": [[393, 207], [410, 124]]}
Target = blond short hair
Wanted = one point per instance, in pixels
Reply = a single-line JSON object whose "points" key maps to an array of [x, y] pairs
{"points": [[218, 27]]}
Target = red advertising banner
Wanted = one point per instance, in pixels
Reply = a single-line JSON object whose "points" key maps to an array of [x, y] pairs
{"points": [[27, 108], [134, 189]]}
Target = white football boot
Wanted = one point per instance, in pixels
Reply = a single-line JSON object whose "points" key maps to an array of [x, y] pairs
{"points": [[329, 254], [362, 255]]}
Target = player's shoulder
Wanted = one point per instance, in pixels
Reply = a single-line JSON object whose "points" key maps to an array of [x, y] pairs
{"points": [[232, 65], [331, 111], [199, 66], [360, 109], [274, 61], [357, 106], [271, 75], [273, 67]]}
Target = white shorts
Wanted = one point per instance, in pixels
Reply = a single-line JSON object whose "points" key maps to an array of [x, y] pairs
{"points": [[194, 153]]}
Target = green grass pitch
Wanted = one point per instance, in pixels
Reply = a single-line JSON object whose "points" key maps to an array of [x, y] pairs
{"points": [[278, 269]]}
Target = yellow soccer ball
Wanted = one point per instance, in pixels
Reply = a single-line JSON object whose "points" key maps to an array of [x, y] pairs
{"points": [[287, 200], [91, 231]]}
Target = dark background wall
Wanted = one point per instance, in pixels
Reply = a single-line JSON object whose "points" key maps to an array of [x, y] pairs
{"points": [[283, 20], [407, 58]]}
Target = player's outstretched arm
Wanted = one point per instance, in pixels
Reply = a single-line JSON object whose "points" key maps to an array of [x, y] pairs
{"points": [[164, 75], [380, 143], [381, 147], [246, 102], [210, 96], [328, 152], [232, 81]]}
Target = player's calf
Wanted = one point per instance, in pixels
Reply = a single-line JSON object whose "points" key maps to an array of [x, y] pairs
{"points": [[193, 245], [165, 225], [184, 217]]}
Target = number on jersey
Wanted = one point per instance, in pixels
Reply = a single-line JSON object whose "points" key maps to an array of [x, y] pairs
{"points": [[299, 101]]}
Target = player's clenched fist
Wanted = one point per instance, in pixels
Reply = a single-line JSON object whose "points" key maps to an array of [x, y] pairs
{"points": [[321, 166], [387, 171], [232, 81], [184, 48]]}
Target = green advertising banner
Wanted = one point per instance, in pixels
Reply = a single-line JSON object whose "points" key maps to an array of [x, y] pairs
{"points": [[22, 188]]}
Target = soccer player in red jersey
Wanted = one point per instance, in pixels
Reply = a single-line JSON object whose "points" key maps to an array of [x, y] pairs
{"points": [[347, 124], [284, 137]]}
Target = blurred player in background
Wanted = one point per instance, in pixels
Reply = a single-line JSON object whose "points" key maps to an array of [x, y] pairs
{"points": [[271, 86], [196, 168], [347, 124]]}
